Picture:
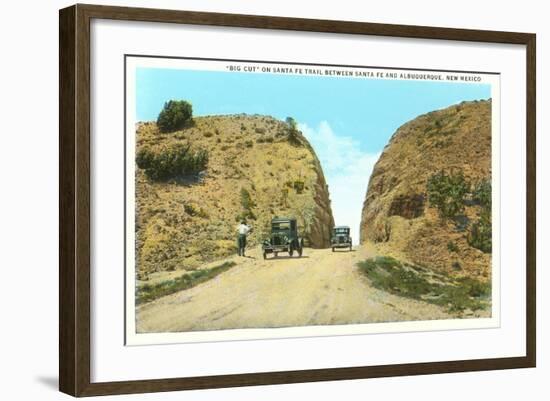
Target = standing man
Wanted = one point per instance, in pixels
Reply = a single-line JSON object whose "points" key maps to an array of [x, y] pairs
{"points": [[243, 230]]}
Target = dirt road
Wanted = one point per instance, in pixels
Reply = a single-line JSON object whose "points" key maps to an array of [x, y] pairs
{"points": [[320, 288]]}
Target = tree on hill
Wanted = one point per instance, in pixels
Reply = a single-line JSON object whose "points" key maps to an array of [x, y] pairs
{"points": [[291, 122], [174, 115], [292, 130]]}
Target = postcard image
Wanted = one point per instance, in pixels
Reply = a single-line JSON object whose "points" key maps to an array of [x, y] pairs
{"points": [[269, 199]]}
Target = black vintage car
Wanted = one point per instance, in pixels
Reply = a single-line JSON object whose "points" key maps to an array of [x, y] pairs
{"points": [[284, 238], [340, 238]]}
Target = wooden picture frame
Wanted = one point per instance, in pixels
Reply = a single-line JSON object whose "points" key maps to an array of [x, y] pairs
{"points": [[74, 199]]}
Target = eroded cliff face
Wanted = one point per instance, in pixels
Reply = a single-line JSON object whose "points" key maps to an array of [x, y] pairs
{"points": [[255, 171], [397, 214]]}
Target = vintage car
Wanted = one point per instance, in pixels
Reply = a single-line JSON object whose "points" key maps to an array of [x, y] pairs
{"points": [[340, 238], [284, 238]]}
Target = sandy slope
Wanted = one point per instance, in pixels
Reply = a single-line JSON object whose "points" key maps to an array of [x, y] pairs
{"points": [[398, 216], [320, 288], [188, 224]]}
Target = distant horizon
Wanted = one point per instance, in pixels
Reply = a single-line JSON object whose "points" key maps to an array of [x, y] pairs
{"points": [[348, 121]]}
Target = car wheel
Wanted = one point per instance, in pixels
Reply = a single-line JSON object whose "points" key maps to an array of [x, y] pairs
{"points": [[265, 255]]}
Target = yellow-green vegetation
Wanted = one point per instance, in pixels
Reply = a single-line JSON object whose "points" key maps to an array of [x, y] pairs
{"points": [[147, 292], [428, 199], [256, 167], [162, 163], [481, 231], [450, 193], [175, 115], [412, 281], [447, 192]]}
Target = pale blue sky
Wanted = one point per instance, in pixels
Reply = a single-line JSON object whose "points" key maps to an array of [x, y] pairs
{"points": [[347, 120], [366, 109]]}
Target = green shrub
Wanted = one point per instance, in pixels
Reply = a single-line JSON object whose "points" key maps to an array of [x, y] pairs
{"points": [[145, 158], [193, 211], [292, 131], [407, 280], [174, 115], [481, 233], [246, 200], [247, 204], [171, 161], [284, 197], [446, 192], [149, 292], [298, 186], [482, 194]]}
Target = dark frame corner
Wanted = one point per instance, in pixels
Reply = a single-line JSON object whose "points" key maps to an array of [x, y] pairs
{"points": [[74, 199]]}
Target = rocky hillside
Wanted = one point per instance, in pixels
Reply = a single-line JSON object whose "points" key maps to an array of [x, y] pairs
{"points": [[452, 147], [258, 168]]}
